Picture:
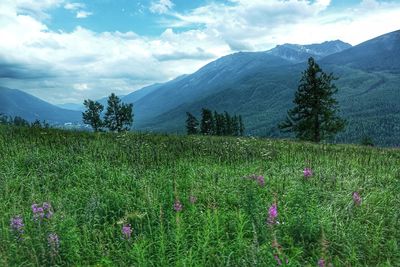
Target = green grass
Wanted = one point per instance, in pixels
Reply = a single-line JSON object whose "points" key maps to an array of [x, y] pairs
{"points": [[98, 182]]}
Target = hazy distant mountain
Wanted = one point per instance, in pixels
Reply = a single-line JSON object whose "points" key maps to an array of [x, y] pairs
{"points": [[135, 96], [17, 103], [378, 54], [261, 86], [72, 106], [300, 53]]}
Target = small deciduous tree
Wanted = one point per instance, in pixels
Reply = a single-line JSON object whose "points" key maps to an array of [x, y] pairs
{"points": [[119, 116], [92, 114], [314, 118]]}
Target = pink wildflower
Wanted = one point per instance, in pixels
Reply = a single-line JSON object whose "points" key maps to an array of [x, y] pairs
{"points": [[307, 172], [178, 206], [357, 198]]}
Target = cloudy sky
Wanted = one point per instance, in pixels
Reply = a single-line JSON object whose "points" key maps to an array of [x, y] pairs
{"points": [[64, 51]]}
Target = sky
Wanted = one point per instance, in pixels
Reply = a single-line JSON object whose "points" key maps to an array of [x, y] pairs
{"points": [[65, 51]]}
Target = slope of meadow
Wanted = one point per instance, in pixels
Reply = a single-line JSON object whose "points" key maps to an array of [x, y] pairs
{"points": [[194, 201]]}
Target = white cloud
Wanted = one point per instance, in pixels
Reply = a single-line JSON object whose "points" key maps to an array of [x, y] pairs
{"points": [[74, 6], [71, 66], [83, 14], [81, 86], [79, 9], [161, 6]]}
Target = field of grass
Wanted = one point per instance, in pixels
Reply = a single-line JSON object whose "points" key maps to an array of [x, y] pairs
{"points": [[154, 200]]}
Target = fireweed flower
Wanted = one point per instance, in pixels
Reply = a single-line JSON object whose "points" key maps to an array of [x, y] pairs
{"points": [[278, 260], [54, 242], [357, 198], [307, 172], [261, 180], [321, 263], [48, 209], [178, 206], [41, 212], [192, 199], [127, 231], [272, 214], [17, 225]]}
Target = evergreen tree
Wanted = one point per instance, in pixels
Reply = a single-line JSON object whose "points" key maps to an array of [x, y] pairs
{"points": [[228, 124], [36, 124], [92, 114], [207, 122], [192, 124], [19, 121], [119, 116], [4, 119], [219, 124], [235, 125], [314, 118], [241, 126]]}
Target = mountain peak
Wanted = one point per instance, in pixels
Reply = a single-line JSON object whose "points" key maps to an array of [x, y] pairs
{"points": [[300, 53], [380, 53]]}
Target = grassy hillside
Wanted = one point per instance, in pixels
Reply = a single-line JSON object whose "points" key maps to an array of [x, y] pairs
{"points": [[94, 184]]}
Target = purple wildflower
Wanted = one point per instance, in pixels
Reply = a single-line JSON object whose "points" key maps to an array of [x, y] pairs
{"points": [[53, 242], [192, 199], [272, 214], [178, 206], [34, 208], [321, 263], [17, 225], [261, 180], [307, 172], [41, 212], [278, 260], [46, 206], [357, 198], [127, 231]]}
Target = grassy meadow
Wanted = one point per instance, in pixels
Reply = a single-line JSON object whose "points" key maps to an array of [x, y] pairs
{"points": [[157, 200]]}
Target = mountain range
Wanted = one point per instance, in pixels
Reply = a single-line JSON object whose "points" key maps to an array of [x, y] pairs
{"points": [[18, 103], [261, 85]]}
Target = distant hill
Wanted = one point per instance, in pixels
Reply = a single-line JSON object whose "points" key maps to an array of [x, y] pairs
{"points": [[17, 103]]}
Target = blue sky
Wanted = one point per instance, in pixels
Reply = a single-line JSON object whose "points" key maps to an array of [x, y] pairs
{"points": [[69, 50]]}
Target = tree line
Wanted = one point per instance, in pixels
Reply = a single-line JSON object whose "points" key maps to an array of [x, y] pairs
{"points": [[21, 122], [117, 118], [214, 123]]}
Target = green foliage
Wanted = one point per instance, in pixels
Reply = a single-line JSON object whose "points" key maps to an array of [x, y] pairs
{"points": [[119, 116], [367, 141], [192, 124], [96, 183], [314, 118], [92, 114], [221, 124], [207, 124], [19, 121]]}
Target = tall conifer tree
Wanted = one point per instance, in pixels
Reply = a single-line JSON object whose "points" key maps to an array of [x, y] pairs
{"points": [[314, 118]]}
